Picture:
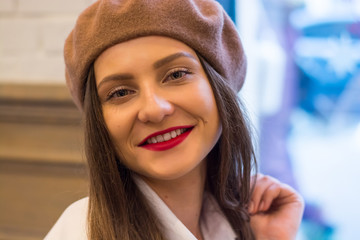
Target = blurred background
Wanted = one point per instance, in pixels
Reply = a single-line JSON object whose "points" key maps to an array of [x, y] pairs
{"points": [[42, 168], [302, 93]]}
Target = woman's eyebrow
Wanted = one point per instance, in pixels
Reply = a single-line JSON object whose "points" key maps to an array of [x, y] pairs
{"points": [[115, 77], [157, 64], [171, 57]]}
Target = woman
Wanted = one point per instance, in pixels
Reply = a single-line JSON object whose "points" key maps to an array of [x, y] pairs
{"points": [[168, 149]]}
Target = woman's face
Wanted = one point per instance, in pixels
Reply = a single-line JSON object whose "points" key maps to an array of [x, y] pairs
{"points": [[158, 106]]}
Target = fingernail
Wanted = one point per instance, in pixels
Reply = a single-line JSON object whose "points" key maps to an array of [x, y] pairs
{"points": [[261, 206], [251, 207]]}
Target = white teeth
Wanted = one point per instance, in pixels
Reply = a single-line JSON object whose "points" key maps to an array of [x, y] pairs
{"points": [[160, 138], [166, 136]]}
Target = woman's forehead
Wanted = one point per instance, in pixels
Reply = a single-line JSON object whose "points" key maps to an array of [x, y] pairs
{"points": [[142, 54], [157, 46]]}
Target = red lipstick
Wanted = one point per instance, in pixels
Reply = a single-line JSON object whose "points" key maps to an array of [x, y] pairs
{"points": [[165, 145]]}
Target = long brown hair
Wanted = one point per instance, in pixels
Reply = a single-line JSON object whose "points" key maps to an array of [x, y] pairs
{"points": [[118, 210]]}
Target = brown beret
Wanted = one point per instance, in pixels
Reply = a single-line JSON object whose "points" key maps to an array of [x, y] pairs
{"points": [[201, 24]]}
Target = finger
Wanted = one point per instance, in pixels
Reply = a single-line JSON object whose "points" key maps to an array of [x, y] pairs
{"points": [[278, 196], [268, 197], [258, 187], [255, 177], [288, 195], [261, 185]]}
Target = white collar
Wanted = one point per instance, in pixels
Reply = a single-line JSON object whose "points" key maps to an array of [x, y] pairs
{"points": [[213, 223]]}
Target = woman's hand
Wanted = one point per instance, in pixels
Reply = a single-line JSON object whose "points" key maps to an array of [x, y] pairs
{"points": [[275, 209]]}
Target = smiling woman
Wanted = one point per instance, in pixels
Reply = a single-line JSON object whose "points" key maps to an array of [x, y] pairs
{"points": [[166, 90], [169, 152]]}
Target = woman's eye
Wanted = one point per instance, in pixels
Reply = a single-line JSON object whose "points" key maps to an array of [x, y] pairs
{"points": [[120, 93], [178, 74]]}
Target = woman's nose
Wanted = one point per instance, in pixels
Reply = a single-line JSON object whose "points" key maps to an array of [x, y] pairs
{"points": [[154, 108]]}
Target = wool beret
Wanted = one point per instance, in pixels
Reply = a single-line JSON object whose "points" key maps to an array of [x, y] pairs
{"points": [[203, 25]]}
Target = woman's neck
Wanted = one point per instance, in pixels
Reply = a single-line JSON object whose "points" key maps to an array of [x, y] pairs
{"points": [[184, 196]]}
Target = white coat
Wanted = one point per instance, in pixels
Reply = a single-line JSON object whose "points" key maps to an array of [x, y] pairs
{"points": [[214, 226]]}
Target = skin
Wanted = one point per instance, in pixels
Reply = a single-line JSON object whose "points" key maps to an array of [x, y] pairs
{"points": [[276, 209], [152, 83], [160, 94]]}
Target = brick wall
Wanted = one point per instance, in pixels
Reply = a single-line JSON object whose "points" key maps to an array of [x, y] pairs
{"points": [[32, 35]]}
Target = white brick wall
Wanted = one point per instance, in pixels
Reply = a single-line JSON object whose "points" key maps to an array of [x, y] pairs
{"points": [[51, 6], [54, 32], [7, 6], [32, 35], [19, 36]]}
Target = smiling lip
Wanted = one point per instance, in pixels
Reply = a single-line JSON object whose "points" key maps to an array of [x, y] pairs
{"points": [[165, 145]]}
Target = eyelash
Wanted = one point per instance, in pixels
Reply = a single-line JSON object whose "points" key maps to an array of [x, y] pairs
{"points": [[117, 90], [183, 71], [178, 70]]}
